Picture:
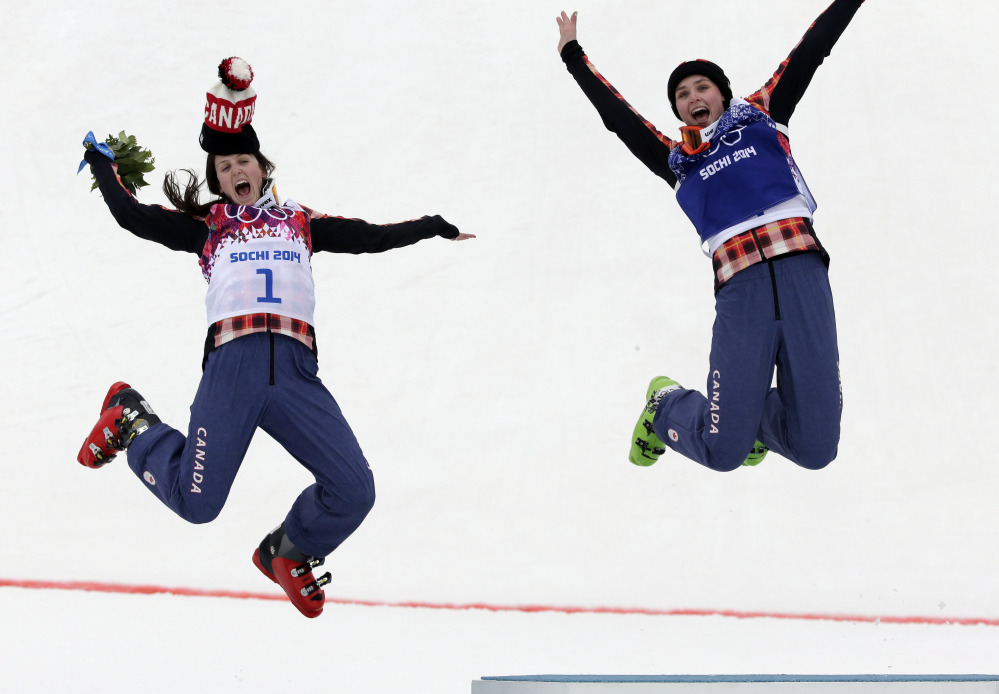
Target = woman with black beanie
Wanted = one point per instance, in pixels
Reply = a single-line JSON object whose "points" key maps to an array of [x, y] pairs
{"points": [[735, 179]]}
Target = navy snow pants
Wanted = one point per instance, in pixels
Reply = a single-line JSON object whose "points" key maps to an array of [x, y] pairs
{"points": [[192, 475], [762, 322]]}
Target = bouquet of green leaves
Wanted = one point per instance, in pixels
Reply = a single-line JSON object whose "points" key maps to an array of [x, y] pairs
{"points": [[133, 161]]}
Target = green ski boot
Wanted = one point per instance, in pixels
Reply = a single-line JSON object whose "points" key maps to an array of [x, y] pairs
{"points": [[645, 445], [756, 455]]}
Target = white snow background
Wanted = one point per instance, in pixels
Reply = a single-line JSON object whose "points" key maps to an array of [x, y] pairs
{"points": [[493, 384]]}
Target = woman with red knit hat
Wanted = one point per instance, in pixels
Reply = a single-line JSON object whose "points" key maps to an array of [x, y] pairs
{"points": [[260, 361], [735, 179]]}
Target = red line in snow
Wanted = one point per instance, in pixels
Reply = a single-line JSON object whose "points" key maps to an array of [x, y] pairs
{"points": [[100, 587]]}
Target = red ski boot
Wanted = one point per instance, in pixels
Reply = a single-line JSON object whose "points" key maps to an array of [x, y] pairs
{"points": [[291, 568], [124, 415]]}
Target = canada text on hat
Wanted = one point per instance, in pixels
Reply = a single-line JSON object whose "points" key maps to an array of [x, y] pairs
{"points": [[230, 103]]}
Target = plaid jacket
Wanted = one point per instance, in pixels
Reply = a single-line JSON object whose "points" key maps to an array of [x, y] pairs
{"points": [[763, 243], [228, 329]]}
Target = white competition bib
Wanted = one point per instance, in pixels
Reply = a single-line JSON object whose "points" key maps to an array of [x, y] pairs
{"points": [[259, 262]]}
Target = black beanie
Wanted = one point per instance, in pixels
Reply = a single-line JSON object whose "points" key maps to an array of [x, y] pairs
{"points": [[229, 110], [698, 67]]}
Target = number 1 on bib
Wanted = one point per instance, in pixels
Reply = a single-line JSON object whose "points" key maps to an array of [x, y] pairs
{"points": [[268, 297]]}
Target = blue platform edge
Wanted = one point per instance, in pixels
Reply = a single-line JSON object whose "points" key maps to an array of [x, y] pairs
{"points": [[747, 678]]}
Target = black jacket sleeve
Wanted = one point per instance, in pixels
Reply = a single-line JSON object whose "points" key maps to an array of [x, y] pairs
{"points": [[345, 235], [175, 230], [795, 74], [639, 135]]}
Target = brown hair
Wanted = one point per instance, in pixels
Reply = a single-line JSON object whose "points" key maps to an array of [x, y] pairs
{"points": [[187, 199]]}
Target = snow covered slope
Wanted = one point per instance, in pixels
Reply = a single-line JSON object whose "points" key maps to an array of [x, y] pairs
{"points": [[493, 384]]}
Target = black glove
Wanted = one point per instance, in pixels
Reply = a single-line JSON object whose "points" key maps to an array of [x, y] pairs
{"points": [[448, 230]]}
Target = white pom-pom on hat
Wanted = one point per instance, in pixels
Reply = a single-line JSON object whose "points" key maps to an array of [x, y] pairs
{"points": [[235, 73]]}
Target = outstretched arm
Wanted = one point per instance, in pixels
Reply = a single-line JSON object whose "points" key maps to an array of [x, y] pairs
{"points": [[781, 94], [175, 230], [639, 135], [345, 235]]}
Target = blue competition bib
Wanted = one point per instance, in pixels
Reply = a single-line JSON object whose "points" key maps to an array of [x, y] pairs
{"points": [[745, 172]]}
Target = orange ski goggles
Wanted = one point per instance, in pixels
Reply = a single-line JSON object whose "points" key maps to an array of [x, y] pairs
{"points": [[692, 141]]}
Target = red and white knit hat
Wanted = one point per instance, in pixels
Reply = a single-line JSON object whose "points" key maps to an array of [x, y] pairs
{"points": [[229, 110]]}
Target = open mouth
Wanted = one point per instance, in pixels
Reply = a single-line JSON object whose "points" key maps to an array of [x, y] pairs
{"points": [[700, 113], [242, 188]]}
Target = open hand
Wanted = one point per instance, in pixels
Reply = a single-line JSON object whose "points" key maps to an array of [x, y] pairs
{"points": [[566, 29]]}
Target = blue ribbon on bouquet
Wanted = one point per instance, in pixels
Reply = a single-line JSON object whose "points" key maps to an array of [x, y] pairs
{"points": [[101, 147]]}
